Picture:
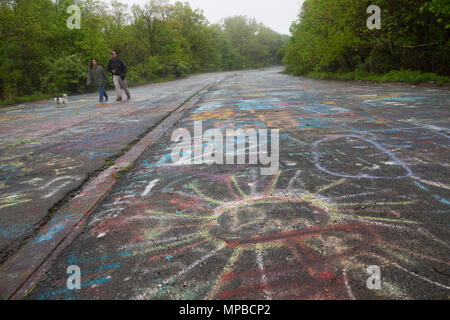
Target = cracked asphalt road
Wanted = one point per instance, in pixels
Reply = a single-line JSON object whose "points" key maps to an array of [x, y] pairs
{"points": [[363, 180], [47, 151]]}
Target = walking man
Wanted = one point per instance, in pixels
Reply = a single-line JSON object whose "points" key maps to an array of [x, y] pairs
{"points": [[119, 71]]}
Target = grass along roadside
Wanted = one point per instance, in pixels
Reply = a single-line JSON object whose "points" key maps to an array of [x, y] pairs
{"points": [[34, 97], [45, 96], [408, 76]]}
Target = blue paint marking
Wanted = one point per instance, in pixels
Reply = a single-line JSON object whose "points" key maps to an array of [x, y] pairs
{"points": [[7, 172], [311, 123], [14, 231], [243, 123], [163, 160], [421, 186], [83, 285], [111, 266], [441, 211], [324, 109], [48, 234], [62, 218], [440, 199], [73, 260], [55, 227], [404, 99], [93, 154], [248, 105], [168, 258], [437, 197]]}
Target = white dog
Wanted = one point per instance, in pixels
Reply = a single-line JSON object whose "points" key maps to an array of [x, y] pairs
{"points": [[62, 100]]}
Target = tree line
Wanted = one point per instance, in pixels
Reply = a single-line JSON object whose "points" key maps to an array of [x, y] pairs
{"points": [[39, 54], [332, 36]]}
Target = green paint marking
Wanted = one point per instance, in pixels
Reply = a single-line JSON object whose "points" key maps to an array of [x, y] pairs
{"points": [[348, 204], [180, 215], [198, 192], [23, 142], [11, 203], [395, 254], [364, 161], [236, 184], [332, 185], [379, 219], [315, 248], [265, 201]]}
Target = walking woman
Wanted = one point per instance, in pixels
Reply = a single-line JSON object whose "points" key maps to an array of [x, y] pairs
{"points": [[98, 76]]}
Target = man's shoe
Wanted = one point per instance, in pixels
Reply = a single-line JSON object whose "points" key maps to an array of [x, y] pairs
{"points": [[119, 99], [106, 99], [128, 97]]}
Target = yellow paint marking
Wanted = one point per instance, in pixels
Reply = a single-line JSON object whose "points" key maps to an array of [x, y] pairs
{"points": [[198, 192], [231, 261], [155, 212], [378, 218], [434, 184], [348, 204], [236, 184], [201, 235]]}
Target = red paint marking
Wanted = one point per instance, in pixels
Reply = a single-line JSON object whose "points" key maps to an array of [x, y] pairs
{"points": [[244, 274], [273, 270], [183, 204], [305, 290]]}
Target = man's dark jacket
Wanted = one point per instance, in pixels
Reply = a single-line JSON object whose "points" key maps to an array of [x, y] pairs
{"points": [[119, 66]]}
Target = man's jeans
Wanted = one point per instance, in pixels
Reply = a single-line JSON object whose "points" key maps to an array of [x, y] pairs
{"points": [[102, 93], [121, 84]]}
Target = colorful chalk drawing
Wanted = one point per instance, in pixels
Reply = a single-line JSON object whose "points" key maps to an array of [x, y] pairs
{"points": [[92, 154], [347, 196], [54, 227], [256, 235], [379, 147], [7, 172]]}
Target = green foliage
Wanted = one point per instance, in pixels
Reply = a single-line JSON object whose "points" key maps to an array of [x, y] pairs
{"points": [[411, 76], [66, 74], [331, 36], [40, 56]]}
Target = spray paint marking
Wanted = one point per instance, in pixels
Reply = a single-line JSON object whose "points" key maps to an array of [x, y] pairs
{"points": [[259, 260], [317, 156], [149, 187]]}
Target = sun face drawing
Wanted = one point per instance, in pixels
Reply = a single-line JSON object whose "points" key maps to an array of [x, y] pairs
{"points": [[222, 235]]}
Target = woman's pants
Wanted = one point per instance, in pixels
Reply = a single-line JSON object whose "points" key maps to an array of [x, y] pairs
{"points": [[102, 93]]}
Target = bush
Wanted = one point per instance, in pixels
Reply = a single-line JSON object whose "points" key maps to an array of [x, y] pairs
{"points": [[66, 74], [180, 69], [380, 61], [409, 76]]}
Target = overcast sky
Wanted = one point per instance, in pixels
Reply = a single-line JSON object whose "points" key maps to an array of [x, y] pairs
{"points": [[276, 14]]}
